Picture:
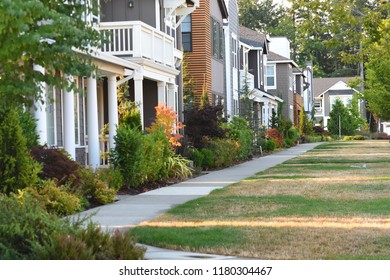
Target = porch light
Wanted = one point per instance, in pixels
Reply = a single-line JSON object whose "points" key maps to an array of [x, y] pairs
{"points": [[131, 4], [190, 3]]}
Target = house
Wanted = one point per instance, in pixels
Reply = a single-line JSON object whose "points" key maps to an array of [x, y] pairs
{"points": [[252, 70], [204, 44], [144, 50], [326, 91]]}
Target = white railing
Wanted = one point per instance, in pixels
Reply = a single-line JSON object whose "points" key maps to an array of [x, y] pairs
{"points": [[140, 40], [250, 79]]}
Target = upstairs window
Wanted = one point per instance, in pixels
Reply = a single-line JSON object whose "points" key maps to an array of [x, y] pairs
{"points": [[271, 76], [217, 39], [186, 33], [234, 52]]}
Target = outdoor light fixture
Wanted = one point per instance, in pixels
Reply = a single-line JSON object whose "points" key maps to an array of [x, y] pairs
{"points": [[131, 4], [190, 3]]}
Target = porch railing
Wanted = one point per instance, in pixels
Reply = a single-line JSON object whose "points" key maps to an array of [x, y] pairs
{"points": [[139, 40]]}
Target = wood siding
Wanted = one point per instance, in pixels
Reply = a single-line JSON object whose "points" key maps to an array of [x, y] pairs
{"points": [[199, 59]]}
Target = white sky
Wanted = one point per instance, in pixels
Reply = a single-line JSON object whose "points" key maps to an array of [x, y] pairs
{"points": [[283, 2]]}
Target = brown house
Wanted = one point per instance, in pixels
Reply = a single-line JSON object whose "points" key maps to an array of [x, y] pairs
{"points": [[203, 43]]}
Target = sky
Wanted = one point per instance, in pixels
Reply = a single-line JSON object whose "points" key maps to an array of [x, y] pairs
{"points": [[283, 2]]}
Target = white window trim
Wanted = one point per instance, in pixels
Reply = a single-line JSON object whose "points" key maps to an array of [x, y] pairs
{"points": [[274, 75]]}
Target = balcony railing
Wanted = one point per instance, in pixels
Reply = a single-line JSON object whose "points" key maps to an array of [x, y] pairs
{"points": [[139, 40], [250, 79]]}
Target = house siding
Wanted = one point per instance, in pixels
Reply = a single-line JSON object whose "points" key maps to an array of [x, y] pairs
{"points": [[118, 10], [199, 59], [234, 29]]}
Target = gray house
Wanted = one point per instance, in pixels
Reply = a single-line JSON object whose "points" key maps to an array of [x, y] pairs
{"points": [[252, 70], [326, 92]]}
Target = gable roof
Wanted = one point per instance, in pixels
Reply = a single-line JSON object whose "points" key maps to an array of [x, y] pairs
{"points": [[222, 7], [321, 85], [254, 38], [277, 58]]}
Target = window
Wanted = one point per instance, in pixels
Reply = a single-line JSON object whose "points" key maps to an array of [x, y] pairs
{"points": [[186, 33], [217, 39], [234, 52], [51, 117], [271, 78]]}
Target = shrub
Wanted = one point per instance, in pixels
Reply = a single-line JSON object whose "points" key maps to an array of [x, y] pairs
{"points": [[270, 145], [56, 165], [275, 135], [197, 157], [319, 130], [238, 130], [203, 122], [358, 137], [208, 158], [348, 138], [112, 176], [179, 167], [225, 151], [292, 134], [17, 169], [29, 128], [140, 158]]}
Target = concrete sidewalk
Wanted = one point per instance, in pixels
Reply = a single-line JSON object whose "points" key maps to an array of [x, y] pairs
{"points": [[129, 211]]}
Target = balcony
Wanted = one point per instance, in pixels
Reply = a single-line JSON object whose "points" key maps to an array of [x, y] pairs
{"points": [[250, 79], [135, 39]]}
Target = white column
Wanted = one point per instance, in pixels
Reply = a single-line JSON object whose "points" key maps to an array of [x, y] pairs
{"points": [[69, 121], [161, 92], [93, 127], [112, 109], [228, 69], [138, 94], [171, 96], [40, 109], [266, 105]]}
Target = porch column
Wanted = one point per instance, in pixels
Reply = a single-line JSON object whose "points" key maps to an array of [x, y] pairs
{"points": [[138, 94], [171, 96], [112, 109], [161, 92], [93, 126], [40, 109], [69, 124], [266, 117]]}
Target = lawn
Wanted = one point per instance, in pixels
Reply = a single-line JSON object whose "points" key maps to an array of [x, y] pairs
{"points": [[332, 202]]}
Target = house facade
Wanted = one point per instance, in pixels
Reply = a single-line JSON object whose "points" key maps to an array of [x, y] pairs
{"points": [[252, 69], [144, 50], [326, 92], [205, 50]]}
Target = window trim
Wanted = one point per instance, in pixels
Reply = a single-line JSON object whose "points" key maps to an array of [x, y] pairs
{"points": [[187, 33], [269, 76]]}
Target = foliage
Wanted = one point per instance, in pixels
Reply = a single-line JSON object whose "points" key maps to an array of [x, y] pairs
{"points": [[208, 158], [305, 126], [275, 135], [29, 128], [238, 130], [140, 158], [179, 167], [17, 169], [225, 151], [91, 243], [56, 165], [32, 31], [197, 157], [167, 121], [270, 145], [93, 188], [203, 122], [111, 176], [341, 115]]}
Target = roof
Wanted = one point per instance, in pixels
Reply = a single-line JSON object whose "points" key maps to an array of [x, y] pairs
{"points": [[277, 58], [320, 85], [253, 38], [223, 8]]}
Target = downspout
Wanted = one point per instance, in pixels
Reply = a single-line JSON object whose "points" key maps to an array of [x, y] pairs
{"points": [[228, 88]]}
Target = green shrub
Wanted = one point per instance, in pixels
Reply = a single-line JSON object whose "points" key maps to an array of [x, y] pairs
{"points": [[238, 130], [288, 142], [347, 138], [93, 189], [56, 199], [17, 169], [29, 128], [292, 135], [179, 167], [358, 137], [111, 176], [270, 145], [225, 151], [208, 158], [197, 157]]}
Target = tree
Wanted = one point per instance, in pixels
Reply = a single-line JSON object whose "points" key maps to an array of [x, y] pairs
{"points": [[45, 33], [340, 116], [305, 126]]}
